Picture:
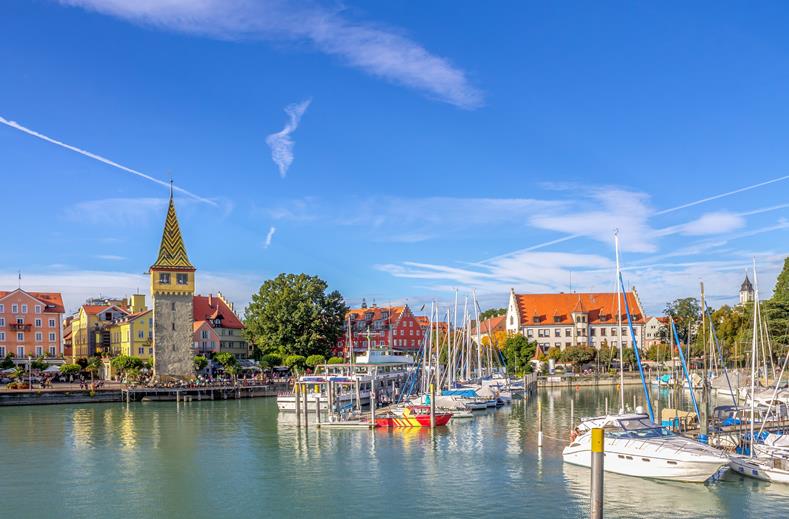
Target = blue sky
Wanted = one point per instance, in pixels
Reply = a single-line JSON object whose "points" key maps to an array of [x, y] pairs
{"points": [[435, 146]]}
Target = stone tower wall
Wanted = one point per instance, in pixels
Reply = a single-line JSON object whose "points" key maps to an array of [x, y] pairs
{"points": [[173, 347]]}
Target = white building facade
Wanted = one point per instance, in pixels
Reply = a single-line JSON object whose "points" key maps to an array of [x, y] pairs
{"points": [[575, 319]]}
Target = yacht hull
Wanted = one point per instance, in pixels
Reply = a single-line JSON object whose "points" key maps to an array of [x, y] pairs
{"points": [[648, 464]]}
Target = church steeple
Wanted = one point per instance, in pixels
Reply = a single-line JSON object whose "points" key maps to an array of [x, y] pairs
{"points": [[172, 251]]}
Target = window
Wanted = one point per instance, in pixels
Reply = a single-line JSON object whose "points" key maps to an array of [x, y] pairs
{"points": [[204, 335], [557, 344], [557, 332], [213, 344], [613, 332], [230, 332], [39, 351], [20, 336], [19, 320], [568, 332], [602, 332], [164, 278], [141, 351], [39, 336], [24, 309], [172, 306], [38, 309], [14, 308], [592, 332], [51, 351], [38, 323], [2, 309], [182, 279], [20, 351], [529, 333], [2, 321], [2, 336], [141, 334], [411, 332], [2, 351], [173, 324]]}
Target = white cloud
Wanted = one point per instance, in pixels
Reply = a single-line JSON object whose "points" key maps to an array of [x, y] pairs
{"points": [[718, 222], [280, 143], [78, 285], [117, 211], [269, 236], [110, 257], [378, 51]]}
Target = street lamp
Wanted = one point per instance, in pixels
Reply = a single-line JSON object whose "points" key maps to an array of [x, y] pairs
{"points": [[30, 373]]}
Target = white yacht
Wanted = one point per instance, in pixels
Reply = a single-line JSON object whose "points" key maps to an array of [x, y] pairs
{"points": [[634, 446]]}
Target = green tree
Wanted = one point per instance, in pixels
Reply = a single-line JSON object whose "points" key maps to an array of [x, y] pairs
{"points": [[776, 311], [93, 365], [123, 363], [199, 362], [686, 312], [226, 359], [70, 369], [492, 312], [294, 314], [315, 360], [296, 362], [336, 360], [554, 353], [578, 355], [7, 362], [39, 364], [271, 360], [519, 351]]}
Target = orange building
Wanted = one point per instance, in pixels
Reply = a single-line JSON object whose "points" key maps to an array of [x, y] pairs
{"points": [[393, 327], [30, 324]]}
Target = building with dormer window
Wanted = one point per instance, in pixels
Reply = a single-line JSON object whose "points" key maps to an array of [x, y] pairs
{"points": [[575, 319]]}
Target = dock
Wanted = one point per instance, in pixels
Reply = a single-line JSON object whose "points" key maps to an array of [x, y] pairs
{"points": [[197, 393]]}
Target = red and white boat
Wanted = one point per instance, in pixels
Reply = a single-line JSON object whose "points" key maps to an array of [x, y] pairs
{"points": [[413, 416]]}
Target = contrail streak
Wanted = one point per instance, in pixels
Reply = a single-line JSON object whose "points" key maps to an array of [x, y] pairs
{"points": [[99, 158], [722, 195]]}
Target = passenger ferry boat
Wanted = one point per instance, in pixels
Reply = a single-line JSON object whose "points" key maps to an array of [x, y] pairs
{"points": [[354, 381]]}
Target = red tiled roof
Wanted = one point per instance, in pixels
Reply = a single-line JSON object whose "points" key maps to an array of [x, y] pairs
{"points": [[211, 307], [95, 309], [557, 308], [492, 325], [52, 300], [377, 313]]}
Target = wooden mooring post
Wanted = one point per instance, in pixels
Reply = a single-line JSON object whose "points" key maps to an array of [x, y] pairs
{"points": [[297, 395], [539, 423], [598, 461]]}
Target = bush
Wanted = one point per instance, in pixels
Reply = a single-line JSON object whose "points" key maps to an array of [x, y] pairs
{"points": [[226, 359], [295, 361], [270, 360], [336, 360], [70, 369], [199, 362], [7, 362], [315, 360]]}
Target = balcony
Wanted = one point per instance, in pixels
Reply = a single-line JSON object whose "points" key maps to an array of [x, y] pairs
{"points": [[15, 327]]}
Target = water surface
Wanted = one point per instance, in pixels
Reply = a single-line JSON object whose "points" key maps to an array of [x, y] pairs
{"points": [[242, 459]]}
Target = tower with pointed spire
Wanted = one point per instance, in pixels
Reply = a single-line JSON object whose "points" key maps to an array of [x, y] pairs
{"points": [[172, 290], [746, 291]]}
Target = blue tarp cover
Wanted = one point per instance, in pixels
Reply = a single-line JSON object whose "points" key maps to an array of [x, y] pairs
{"points": [[467, 393]]}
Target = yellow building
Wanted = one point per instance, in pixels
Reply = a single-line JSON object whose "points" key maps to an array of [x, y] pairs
{"points": [[90, 327], [132, 334]]}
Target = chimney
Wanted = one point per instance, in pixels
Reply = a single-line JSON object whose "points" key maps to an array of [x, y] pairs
{"points": [[210, 300]]}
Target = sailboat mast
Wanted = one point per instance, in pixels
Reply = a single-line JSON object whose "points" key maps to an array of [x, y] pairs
{"points": [[454, 340], [619, 328], [753, 349], [479, 343]]}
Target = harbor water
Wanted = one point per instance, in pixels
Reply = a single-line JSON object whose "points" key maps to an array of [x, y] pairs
{"points": [[241, 458]]}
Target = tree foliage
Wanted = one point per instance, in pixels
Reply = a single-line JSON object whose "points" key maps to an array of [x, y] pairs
{"points": [[686, 312], [294, 314], [70, 369], [39, 364], [578, 355], [295, 362], [123, 363], [199, 362], [554, 353], [776, 310], [519, 351], [271, 360], [226, 359], [315, 360], [336, 360], [492, 312], [7, 362]]}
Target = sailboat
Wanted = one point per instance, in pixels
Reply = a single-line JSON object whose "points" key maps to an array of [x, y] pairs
{"points": [[765, 460], [634, 444]]}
